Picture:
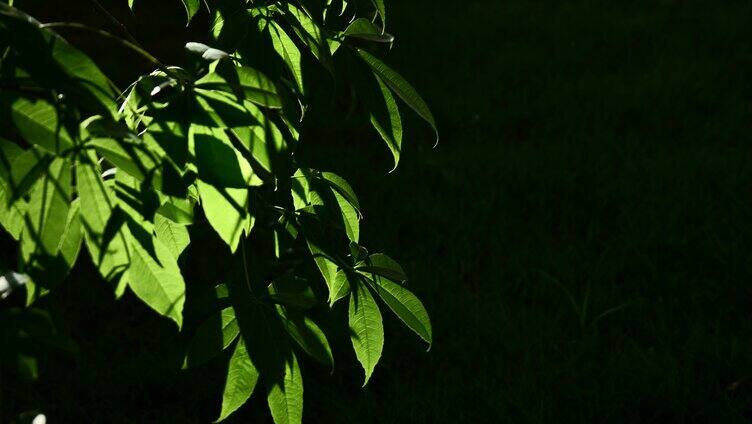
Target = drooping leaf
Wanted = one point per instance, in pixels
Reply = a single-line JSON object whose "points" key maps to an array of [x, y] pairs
{"points": [[385, 117], [366, 328], [289, 52], [406, 306], [212, 337], [401, 87], [241, 380], [364, 29], [310, 33], [158, 281]]}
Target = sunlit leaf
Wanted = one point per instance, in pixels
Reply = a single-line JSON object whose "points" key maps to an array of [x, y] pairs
{"points": [[406, 306], [366, 328], [38, 124], [226, 210], [401, 87], [175, 237], [242, 81], [241, 380], [158, 281]]}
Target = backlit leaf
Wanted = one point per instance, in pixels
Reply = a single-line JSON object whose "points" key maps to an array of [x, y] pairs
{"points": [[241, 380], [401, 87], [406, 306], [227, 212], [158, 281], [366, 328]]}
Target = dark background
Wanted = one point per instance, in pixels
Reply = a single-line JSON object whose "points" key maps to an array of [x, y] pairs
{"points": [[581, 236]]}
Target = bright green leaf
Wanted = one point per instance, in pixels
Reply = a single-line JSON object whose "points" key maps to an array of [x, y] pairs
{"points": [[158, 281], [286, 399], [401, 87], [227, 212], [241, 380], [175, 237], [366, 328], [406, 306]]}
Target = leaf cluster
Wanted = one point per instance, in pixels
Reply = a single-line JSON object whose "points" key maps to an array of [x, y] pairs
{"points": [[130, 177]]}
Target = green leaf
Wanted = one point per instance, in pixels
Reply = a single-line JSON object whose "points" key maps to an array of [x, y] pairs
{"points": [[342, 187], [37, 123], [175, 237], [385, 118], [131, 157], [406, 306], [157, 282], [106, 237], [191, 7], [25, 170], [307, 335], [55, 64], [289, 52], [212, 337], [242, 81], [401, 87], [383, 265], [222, 110], [311, 188], [227, 212], [179, 211], [364, 29], [341, 287], [381, 9], [366, 328], [70, 244], [241, 380], [326, 265], [310, 33], [286, 399], [96, 199], [11, 215], [48, 211], [218, 162]]}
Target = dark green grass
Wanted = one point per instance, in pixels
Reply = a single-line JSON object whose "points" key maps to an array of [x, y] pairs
{"points": [[582, 235]]}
